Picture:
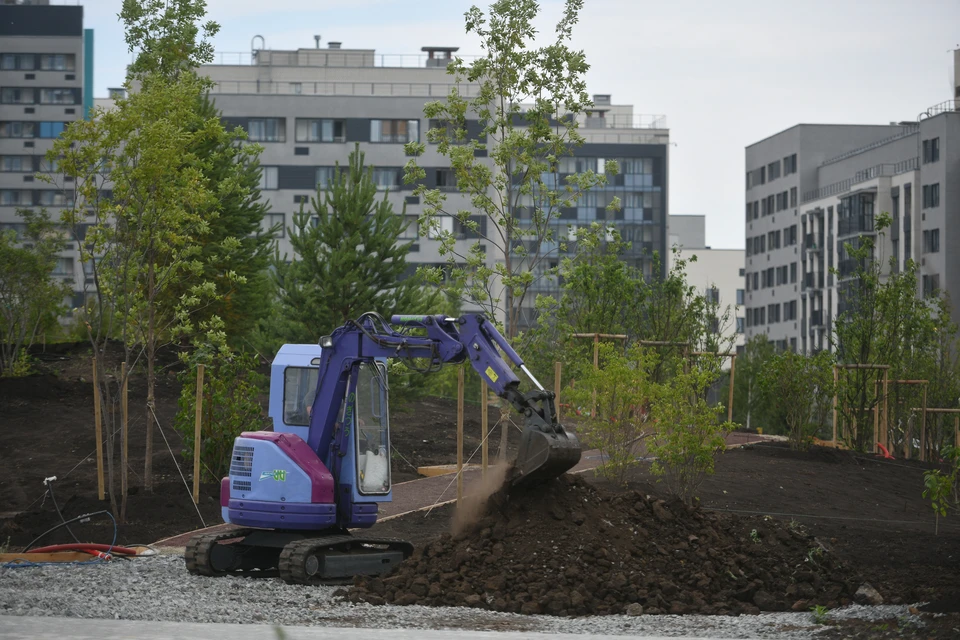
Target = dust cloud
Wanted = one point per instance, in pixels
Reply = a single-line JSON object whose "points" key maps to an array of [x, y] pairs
{"points": [[474, 505]]}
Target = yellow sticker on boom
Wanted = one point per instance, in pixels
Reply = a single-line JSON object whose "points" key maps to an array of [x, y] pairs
{"points": [[491, 374]]}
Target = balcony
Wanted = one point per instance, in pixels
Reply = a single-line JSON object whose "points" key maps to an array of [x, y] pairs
{"points": [[813, 280], [812, 242], [816, 319]]}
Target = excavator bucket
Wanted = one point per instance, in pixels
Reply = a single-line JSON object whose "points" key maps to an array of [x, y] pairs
{"points": [[543, 456]]}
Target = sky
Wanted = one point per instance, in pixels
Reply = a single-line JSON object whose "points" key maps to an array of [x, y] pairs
{"points": [[725, 74]]}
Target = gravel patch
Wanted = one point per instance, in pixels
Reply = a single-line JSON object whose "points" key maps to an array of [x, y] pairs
{"points": [[159, 588]]}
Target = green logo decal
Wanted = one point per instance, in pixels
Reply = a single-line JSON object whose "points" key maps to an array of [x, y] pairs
{"points": [[280, 475]]}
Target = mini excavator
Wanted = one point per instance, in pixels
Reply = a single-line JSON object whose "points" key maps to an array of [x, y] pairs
{"points": [[299, 493]]}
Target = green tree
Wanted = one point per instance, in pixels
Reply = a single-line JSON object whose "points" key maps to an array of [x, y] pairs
{"points": [[750, 405], [30, 298], [231, 386], [350, 259], [235, 249], [883, 322], [688, 431], [799, 389], [516, 195], [143, 198]]}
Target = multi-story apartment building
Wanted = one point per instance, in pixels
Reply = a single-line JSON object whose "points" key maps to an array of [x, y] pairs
{"points": [[716, 273], [308, 107], [813, 189], [46, 81]]}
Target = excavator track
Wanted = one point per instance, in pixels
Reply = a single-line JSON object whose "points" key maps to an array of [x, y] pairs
{"points": [[200, 551], [336, 559]]}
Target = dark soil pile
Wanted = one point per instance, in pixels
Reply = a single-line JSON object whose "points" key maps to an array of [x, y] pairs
{"points": [[569, 549]]}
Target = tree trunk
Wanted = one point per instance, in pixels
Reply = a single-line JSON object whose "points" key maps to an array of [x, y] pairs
{"points": [[151, 353], [109, 414]]}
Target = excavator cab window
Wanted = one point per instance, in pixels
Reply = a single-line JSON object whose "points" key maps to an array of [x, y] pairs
{"points": [[372, 430], [299, 391]]}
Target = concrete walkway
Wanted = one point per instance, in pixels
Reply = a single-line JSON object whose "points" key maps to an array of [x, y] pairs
{"points": [[30, 628]]}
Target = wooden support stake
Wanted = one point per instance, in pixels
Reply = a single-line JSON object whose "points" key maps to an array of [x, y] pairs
{"points": [[885, 434], [923, 428], [596, 367], [459, 436], [198, 420], [836, 391], [484, 410], [956, 428], [99, 430], [733, 365], [557, 370], [876, 419], [124, 438]]}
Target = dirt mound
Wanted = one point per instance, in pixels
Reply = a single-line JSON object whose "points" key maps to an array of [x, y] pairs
{"points": [[568, 549]]}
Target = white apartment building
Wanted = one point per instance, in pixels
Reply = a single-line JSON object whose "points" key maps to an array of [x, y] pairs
{"points": [[716, 273], [308, 107]]}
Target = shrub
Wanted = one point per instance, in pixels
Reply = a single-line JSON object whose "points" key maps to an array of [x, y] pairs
{"points": [[230, 406], [689, 432], [624, 390]]}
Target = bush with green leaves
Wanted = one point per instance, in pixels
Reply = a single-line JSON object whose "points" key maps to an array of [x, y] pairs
{"points": [[942, 490], [624, 391], [231, 386], [30, 297], [799, 393], [688, 431]]}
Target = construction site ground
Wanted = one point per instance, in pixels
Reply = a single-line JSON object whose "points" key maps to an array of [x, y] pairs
{"points": [[868, 512]]}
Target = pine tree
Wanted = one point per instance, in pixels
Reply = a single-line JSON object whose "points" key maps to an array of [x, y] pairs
{"points": [[236, 250], [350, 259]]}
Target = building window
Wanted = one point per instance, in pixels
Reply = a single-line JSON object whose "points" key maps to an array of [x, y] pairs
{"points": [[17, 129], [773, 171], [267, 130], [268, 178], [16, 163], [19, 62], [64, 267], [793, 273], [396, 131], [739, 297], [15, 197], [51, 129], [763, 175], [58, 96], [321, 130], [447, 181], [931, 195], [931, 150], [931, 285], [740, 324], [386, 179], [793, 196], [55, 198], [712, 295], [16, 95], [790, 164], [325, 177], [412, 230], [756, 281], [271, 220], [931, 241], [57, 62], [773, 313]]}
